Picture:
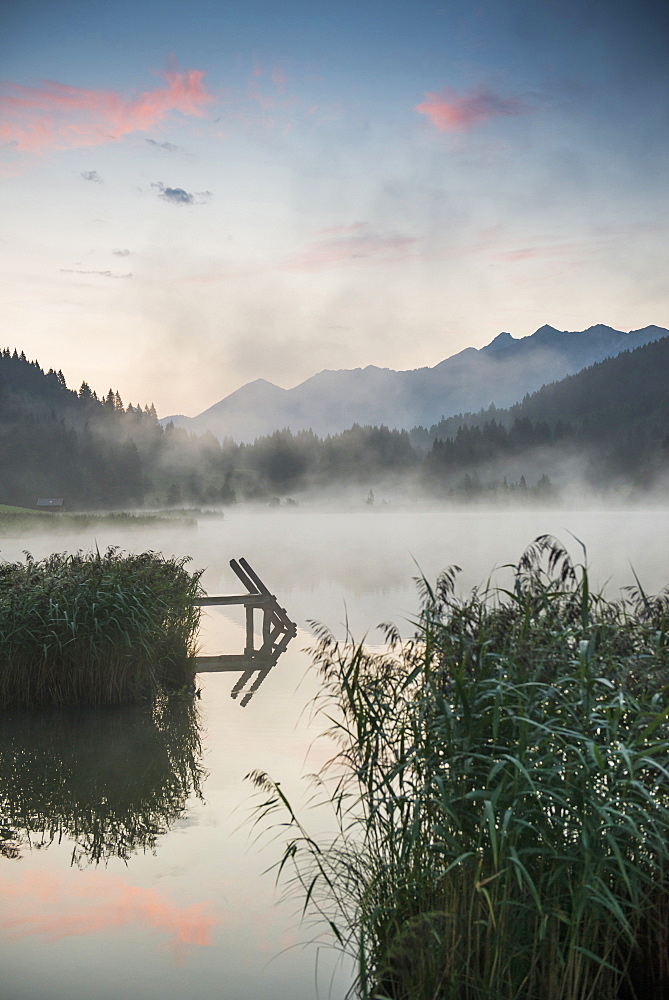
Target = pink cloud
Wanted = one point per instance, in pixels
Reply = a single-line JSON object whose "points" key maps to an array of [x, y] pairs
{"points": [[346, 246], [575, 249], [353, 227], [452, 112], [268, 94], [57, 116], [349, 248], [537, 253], [279, 79], [57, 907]]}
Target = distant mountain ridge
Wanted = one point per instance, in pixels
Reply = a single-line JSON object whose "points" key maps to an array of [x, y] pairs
{"points": [[502, 372]]}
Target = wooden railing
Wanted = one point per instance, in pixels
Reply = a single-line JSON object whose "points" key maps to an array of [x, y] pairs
{"points": [[277, 628]]}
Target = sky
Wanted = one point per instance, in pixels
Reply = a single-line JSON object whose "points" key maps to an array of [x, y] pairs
{"points": [[195, 195]]}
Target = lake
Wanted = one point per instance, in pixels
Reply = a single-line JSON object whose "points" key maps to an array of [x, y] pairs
{"points": [[130, 865]]}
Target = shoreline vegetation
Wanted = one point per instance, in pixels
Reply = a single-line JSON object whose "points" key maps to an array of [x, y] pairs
{"points": [[500, 795], [385, 499], [96, 629], [17, 520]]}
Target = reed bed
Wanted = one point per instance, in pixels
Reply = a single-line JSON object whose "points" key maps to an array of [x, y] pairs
{"points": [[501, 795], [95, 629]]}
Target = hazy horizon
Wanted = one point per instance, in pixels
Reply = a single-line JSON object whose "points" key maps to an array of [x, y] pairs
{"points": [[481, 403]]}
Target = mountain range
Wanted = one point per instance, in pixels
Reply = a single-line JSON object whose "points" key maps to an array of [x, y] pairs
{"points": [[502, 372]]}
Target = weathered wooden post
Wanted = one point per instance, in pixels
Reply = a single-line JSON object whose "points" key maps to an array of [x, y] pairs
{"points": [[248, 649]]}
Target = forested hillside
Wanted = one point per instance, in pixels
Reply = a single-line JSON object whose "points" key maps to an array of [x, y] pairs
{"points": [[613, 418], [55, 442], [606, 427]]}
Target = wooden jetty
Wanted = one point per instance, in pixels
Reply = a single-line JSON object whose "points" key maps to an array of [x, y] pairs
{"points": [[277, 629]]}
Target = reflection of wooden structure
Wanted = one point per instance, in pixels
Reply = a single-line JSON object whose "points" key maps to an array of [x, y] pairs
{"points": [[277, 629]]}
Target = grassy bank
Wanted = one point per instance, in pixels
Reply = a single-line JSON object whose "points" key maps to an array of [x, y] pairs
{"points": [[501, 795], [19, 520], [95, 629]]}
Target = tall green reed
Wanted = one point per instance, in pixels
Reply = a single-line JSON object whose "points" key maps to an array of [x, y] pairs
{"points": [[501, 794], [95, 628]]}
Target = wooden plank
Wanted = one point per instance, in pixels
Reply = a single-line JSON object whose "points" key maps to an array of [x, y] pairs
{"points": [[281, 645], [260, 677], [251, 573], [243, 576], [229, 662], [243, 681], [278, 615], [276, 640], [257, 600]]}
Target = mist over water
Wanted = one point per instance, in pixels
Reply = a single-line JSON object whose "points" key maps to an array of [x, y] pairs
{"points": [[189, 908], [325, 565]]}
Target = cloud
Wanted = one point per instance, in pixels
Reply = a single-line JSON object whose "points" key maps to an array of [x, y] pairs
{"points": [[541, 252], [279, 79], [522, 254], [121, 253], [594, 244], [92, 175], [275, 99], [56, 116], [169, 147], [102, 274], [452, 112], [348, 245], [352, 227], [178, 196]]}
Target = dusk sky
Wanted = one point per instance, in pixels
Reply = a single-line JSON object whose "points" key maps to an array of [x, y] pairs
{"points": [[195, 195]]}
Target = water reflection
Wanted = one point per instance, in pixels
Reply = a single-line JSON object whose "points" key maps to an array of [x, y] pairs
{"points": [[254, 668], [111, 781]]}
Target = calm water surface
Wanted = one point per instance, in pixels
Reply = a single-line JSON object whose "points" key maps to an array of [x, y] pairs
{"points": [[129, 865]]}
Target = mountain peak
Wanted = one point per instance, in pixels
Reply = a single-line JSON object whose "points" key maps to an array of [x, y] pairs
{"points": [[258, 393], [261, 383], [503, 372], [501, 341], [545, 331]]}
